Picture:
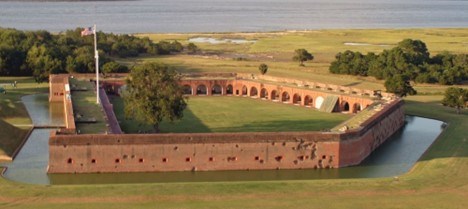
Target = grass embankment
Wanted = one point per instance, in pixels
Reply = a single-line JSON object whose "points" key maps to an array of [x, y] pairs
{"points": [[84, 104], [438, 180], [14, 119], [237, 114]]}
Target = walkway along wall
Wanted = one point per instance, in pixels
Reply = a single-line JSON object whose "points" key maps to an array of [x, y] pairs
{"points": [[222, 151]]}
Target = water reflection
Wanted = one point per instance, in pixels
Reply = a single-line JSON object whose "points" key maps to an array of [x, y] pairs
{"points": [[395, 157]]}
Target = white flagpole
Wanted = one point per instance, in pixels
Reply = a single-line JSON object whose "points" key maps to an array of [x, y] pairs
{"points": [[96, 55]]}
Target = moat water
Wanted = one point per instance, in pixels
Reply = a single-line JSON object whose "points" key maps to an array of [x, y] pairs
{"points": [[395, 157], [165, 16]]}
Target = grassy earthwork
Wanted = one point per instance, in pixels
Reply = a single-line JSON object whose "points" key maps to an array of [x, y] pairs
{"points": [[438, 180], [237, 114]]}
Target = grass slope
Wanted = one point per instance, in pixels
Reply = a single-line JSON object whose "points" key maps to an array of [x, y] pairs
{"points": [[238, 114], [10, 138]]}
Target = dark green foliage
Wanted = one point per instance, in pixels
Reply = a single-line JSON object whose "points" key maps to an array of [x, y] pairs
{"points": [[456, 97], [410, 58], [301, 56], [399, 85], [153, 94], [353, 63], [39, 53], [114, 67], [192, 48], [263, 68]]}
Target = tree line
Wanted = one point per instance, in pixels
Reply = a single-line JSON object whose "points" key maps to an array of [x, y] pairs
{"points": [[408, 61], [39, 53]]}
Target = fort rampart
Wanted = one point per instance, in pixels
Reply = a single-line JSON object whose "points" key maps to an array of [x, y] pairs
{"points": [[85, 153]]}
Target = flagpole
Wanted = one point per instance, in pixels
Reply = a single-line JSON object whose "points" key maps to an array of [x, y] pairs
{"points": [[96, 55]]}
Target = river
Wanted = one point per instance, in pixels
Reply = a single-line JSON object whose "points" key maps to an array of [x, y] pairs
{"points": [[167, 16]]}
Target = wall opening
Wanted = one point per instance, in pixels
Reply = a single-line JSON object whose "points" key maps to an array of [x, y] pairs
{"points": [[164, 160], [202, 90], [318, 102], [274, 95], [297, 99], [211, 159], [187, 90], [229, 89], [141, 160], [117, 160], [308, 101], [345, 106], [216, 90], [70, 161], [285, 97], [357, 107], [188, 159], [253, 92], [244, 90], [264, 93], [93, 161]]}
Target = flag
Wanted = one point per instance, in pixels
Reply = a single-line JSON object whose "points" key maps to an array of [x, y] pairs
{"points": [[87, 31]]}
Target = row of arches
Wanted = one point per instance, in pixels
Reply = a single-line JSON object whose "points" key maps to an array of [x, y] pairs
{"points": [[274, 95]]}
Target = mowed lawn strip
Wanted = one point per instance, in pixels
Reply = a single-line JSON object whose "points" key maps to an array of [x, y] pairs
{"points": [[237, 114]]}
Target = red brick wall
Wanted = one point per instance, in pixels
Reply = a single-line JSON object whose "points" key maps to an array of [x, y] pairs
{"points": [[221, 151]]}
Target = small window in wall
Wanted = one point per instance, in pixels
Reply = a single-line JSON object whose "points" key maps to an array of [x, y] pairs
{"points": [[93, 161], [257, 158], [187, 159], [232, 158], [117, 160], [164, 160], [70, 161], [141, 160], [211, 159], [61, 94], [279, 158]]}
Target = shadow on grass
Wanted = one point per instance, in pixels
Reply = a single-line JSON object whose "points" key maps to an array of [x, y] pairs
{"points": [[282, 126]]}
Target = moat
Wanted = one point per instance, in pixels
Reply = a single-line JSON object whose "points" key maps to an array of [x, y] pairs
{"points": [[394, 157]]}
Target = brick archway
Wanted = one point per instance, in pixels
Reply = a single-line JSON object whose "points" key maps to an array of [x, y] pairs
{"points": [[285, 97], [253, 92], [357, 108], [264, 93], [187, 90], [216, 90], [244, 91], [229, 90], [202, 90], [308, 101], [344, 106], [274, 95], [297, 99]]}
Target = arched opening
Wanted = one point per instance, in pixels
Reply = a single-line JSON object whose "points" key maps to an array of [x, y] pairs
{"points": [[253, 92], [285, 97], [264, 93], [297, 99], [202, 90], [308, 101], [357, 107], [244, 90], [187, 89], [318, 102], [229, 89], [345, 106], [274, 95], [216, 90]]}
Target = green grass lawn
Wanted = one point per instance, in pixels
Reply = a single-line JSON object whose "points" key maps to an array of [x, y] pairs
{"points": [[84, 103], [237, 114]]}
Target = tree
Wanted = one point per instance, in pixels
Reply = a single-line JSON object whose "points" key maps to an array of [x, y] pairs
{"points": [[192, 48], [114, 67], [399, 85], [302, 56], [153, 94], [263, 68], [455, 97]]}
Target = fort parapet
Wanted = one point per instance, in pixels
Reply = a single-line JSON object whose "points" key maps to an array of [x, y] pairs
{"points": [[345, 145]]}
